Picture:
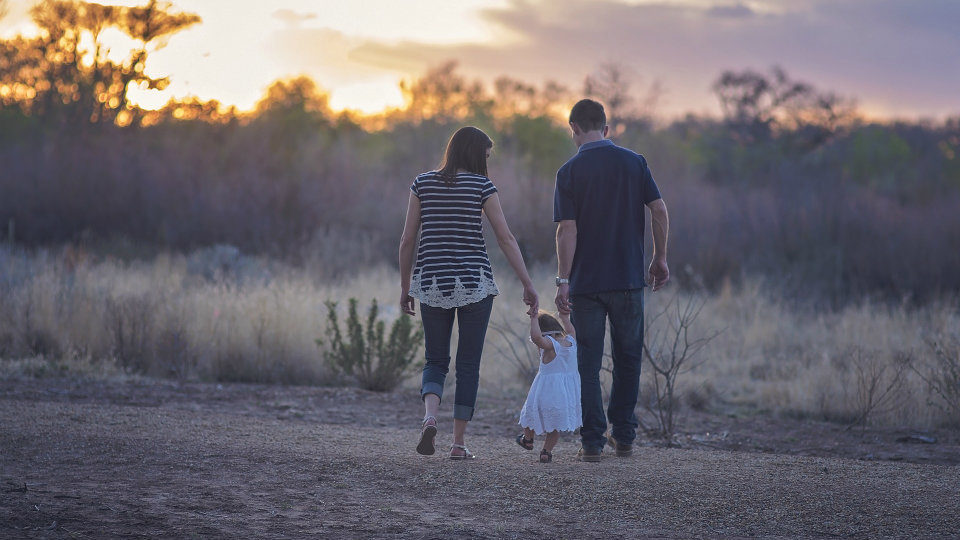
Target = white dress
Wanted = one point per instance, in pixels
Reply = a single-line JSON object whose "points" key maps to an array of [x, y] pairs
{"points": [[553, 402]]}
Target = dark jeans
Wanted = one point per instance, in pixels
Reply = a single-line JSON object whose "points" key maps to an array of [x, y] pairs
{"points": [[472, 322], [625, 310]]}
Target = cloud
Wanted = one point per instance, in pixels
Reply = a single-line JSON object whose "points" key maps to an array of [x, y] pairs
{"points": [[291, 17], [894, 55], [734, 11], [328, 55]]}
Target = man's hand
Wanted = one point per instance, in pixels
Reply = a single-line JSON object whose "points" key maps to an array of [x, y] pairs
{"points": [[659, 273], [407, 303], [563, 298]]}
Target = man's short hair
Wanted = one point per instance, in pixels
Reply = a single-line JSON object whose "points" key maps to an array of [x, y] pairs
{"points": [[588, 115]]}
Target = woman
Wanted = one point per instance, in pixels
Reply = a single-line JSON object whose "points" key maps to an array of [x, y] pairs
{"points": [[452, 276]]}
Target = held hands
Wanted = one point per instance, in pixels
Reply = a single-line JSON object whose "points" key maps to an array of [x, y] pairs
{"points": [[563, 299], [659, 273], [531, 299], [407, 303]]}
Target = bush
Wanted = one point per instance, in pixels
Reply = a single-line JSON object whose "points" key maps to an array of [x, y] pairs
{"points": [[363, 354], [942, 374]]}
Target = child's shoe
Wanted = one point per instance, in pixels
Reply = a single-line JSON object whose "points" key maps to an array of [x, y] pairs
{"points": [[525, 443]]}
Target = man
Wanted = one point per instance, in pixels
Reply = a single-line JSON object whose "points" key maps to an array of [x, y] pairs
{"points": [[599, 205]]}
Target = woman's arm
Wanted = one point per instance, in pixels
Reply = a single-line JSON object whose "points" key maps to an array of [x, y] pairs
{"points": [[508, 244], [408, 241], [567, 325], [537, 337]]}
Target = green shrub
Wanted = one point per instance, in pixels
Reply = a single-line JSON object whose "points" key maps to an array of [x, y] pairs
{"points": [[363, 354]]}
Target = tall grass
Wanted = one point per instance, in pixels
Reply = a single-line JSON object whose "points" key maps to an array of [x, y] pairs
{"points": [[218, 315]]}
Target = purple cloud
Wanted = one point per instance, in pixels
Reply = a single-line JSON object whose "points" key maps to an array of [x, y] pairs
{"points": [[895, 56]]}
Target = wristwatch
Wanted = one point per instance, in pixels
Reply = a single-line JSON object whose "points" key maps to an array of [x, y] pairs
{"points": [[562, 281]]}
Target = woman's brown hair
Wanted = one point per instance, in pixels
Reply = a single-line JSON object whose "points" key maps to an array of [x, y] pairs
{"points": [[467, 150]]}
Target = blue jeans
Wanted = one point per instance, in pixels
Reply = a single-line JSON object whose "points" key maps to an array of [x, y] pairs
{"points": [[472, 322], [625, 310]]}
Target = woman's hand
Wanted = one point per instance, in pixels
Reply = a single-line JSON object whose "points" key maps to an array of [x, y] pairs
{"points": [[531, 299], [407, 303]]}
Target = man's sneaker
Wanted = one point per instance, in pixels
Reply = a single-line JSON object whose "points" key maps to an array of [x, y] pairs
{"points": [[621, 450], [589, 455]]}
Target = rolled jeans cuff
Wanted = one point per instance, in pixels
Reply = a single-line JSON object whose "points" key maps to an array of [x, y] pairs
{"points": [[463, 412], [430, 387]]}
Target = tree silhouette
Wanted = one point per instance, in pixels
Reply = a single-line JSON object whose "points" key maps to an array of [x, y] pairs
{"points": [[612, 84], [65, 75], [444, 94], [756, 104]]}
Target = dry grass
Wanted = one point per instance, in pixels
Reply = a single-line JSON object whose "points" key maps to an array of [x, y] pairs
{"points": [[217, 315]]}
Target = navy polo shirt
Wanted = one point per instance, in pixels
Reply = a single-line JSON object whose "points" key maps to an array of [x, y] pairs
{"points": [[605, 188]]}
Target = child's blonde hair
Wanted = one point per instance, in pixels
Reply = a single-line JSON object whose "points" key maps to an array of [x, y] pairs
{"points": [[549, 323]]}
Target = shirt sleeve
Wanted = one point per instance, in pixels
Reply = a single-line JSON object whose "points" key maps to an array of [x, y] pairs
{"points": [[487, 191], [564, 205], [650, 190], [415, 188]]}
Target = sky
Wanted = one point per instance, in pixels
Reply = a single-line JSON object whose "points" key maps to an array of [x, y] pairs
{"points": [[897, 58]]}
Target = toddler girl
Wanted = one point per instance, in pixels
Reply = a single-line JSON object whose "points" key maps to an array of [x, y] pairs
{"points": [[553, 403]]}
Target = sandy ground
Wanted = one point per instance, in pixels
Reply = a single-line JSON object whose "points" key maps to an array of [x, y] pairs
{"points": [[101, 459]]}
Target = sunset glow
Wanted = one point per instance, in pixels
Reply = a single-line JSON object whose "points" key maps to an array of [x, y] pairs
{"points": [[359, 51]]}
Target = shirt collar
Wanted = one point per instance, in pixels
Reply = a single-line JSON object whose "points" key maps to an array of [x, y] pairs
{"points": [[595, 144]]}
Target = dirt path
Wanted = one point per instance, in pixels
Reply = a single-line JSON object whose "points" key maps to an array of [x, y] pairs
{"points": [[98, 460]]}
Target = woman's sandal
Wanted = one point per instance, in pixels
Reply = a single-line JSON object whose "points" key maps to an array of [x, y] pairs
{"points": [[466, 453], [546, 456], [428, 432], [525, 443]]}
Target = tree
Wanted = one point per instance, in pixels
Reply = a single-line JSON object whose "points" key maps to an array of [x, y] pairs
{"points": [[191, 109], [299, 95], [757, 104], [444, 94], [64, 74], [612, 85]]}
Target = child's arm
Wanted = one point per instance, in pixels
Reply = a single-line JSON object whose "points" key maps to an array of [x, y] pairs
{"points": [[567, 325], [536, 337]]}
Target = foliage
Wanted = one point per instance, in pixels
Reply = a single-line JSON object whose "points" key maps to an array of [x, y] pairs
{"points": [[756, 104], [670, 347], [878, 384], [514, 346], [362, 353], [65, 72], [942, 374], [790, 184]]}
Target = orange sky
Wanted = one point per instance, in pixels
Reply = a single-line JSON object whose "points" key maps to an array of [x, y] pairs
{"points": [[897, 57]]}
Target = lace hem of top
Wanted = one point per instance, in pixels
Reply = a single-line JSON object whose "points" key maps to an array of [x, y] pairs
{"points": [[460, 295]]}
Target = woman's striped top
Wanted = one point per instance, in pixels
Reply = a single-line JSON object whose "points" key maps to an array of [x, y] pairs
{"points": [[452, 267]]}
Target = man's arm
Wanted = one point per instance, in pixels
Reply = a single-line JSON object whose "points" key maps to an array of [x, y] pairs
{"points": [[566, 247], [660, 223]]}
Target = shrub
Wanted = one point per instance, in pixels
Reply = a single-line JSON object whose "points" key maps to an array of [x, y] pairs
{"points": [[670, 348], [514, 346], [363, 354], [878, 383], [942, 374]]}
